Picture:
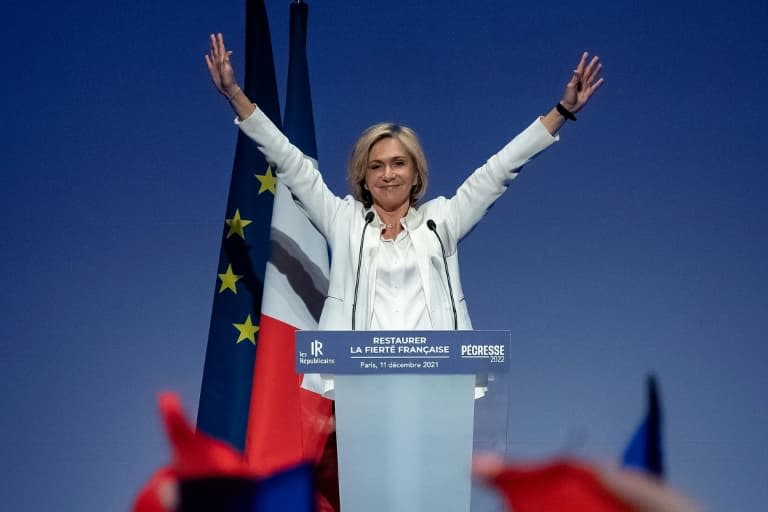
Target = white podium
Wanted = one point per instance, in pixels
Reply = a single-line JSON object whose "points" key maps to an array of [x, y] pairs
{"points": [[405, 438]]}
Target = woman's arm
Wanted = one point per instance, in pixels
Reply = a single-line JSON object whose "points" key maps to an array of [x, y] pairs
{"points": [[488, 183], [294, 169]]}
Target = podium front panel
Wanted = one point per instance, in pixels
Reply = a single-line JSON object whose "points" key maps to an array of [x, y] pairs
{"points": [[407, 442]]}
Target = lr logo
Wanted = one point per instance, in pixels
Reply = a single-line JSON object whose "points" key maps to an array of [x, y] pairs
{"points": [[316, 348]]}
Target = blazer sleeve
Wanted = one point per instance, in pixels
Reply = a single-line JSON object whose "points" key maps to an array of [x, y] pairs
{"points": [[294, 169], [484, 186]]}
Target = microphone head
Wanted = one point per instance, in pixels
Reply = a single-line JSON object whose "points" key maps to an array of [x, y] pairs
{"points": [[431, 224], [369, 217]]}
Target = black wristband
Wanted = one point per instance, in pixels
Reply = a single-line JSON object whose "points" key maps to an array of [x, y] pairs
{"points": [[565, 112]]}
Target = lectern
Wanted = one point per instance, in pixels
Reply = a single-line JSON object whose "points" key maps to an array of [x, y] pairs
{"points": [[405, 412]]}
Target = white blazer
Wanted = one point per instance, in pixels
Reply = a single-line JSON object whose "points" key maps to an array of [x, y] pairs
{"points": [[341, 222]]}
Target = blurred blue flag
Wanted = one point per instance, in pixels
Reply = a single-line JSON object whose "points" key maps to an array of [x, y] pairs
{"points": [[644, 450], [229, 359], [287, 491]]}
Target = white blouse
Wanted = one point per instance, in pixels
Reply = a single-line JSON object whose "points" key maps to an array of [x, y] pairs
{"points": [[399, 302]]}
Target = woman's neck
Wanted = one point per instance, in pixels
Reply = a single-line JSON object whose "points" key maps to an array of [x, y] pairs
{"points": [[390, 221]]}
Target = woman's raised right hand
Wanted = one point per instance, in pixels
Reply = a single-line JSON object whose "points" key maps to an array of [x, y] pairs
{"points": [[222, 74]]}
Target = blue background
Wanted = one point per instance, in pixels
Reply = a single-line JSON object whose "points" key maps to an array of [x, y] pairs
{"points": [[637, 243]]}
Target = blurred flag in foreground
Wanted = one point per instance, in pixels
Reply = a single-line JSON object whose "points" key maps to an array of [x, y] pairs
{"points": [[575, 486], [560, 486], [208, 475], [644, 450]]}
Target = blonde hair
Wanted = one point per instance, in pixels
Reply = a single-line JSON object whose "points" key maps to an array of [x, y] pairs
{"points": [[358, 160]]}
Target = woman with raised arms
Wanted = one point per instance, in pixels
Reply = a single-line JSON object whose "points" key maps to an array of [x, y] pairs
{"points": [[394, 261]]}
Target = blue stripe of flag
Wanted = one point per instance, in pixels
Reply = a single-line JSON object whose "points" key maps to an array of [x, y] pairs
{"points": [[299, 122]]}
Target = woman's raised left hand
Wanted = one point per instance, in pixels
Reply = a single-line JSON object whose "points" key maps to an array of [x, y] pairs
{"points": [[585, 81]]}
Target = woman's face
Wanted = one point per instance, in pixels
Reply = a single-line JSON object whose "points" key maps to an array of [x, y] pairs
{"points": [[390, 175]]}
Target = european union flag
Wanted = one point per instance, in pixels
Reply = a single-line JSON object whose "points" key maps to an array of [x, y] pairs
{"points": [[229, 360]]}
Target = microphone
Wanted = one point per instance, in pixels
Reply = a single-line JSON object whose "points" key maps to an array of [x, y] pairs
{"points": [[368, 220], [432, 227]]}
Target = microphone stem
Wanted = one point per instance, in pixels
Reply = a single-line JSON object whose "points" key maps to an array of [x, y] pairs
{"points": [[431, 225], [368, 220]]}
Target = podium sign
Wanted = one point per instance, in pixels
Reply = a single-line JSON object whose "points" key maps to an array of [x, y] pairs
{"points": [[383, 352]]}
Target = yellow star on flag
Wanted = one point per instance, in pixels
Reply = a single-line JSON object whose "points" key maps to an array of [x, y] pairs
{"points": [[236, 225], [247, 330], [268, 181], [228, 280]]}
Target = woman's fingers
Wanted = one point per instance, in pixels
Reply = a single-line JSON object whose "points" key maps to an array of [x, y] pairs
{"points": [[591, 71], [222, 49]]}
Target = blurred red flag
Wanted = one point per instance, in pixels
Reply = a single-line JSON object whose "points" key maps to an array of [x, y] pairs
{"points": [[575, 486], [561, 486]]}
